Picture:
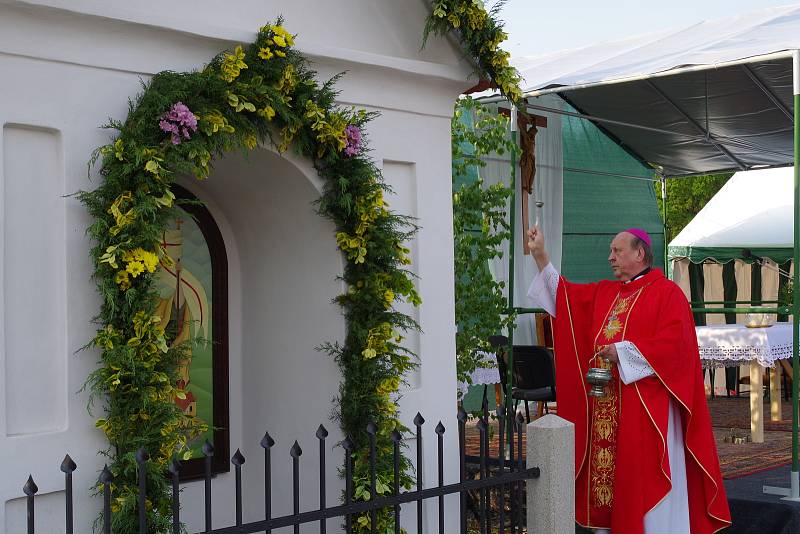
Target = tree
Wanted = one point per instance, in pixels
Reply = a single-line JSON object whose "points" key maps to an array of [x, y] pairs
{"points": [[480, 225], [686, 197]]}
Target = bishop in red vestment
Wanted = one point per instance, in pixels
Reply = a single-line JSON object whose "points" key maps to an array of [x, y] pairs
{"points": [[645, 456]]}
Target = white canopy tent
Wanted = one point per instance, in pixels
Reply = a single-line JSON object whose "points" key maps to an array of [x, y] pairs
{"points": [[749, 218], [751, 212], [730, 39], [713, 96], [718, 96]]}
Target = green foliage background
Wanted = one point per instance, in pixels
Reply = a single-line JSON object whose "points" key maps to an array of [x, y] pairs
{"points": [[480, 225], [686, 197]]}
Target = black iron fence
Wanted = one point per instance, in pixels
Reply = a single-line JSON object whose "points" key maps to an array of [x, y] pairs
{"points": [[491, 489]]}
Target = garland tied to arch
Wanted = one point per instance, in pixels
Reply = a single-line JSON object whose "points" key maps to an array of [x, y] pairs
{"points": [[480, 33], [264, 93]]}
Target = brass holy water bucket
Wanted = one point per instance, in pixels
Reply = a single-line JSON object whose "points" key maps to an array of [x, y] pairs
{"points": [[598, 378]]}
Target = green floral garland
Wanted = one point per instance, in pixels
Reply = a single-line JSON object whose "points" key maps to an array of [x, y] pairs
{"points": [[480, 33], [176, 126]]}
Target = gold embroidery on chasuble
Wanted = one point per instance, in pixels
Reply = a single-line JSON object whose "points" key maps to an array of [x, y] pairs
{"points": [[614, 325], [603, 449], [605, 414]]}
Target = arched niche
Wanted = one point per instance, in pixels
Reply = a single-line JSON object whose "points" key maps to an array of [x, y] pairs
{"points": [[283, 268]]}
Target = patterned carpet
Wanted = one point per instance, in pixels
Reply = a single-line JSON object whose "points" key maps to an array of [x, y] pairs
{"points": [[732, 414], [728, 415]]}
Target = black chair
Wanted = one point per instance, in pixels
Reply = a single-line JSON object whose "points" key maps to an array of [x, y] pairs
{"points": [[534, 375]]}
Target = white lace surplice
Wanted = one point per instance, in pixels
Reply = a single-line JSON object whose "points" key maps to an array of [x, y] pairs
{"points": [[671, 515]]}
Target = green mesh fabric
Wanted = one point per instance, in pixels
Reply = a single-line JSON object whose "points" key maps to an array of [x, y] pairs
{"points": [[597, 207]]}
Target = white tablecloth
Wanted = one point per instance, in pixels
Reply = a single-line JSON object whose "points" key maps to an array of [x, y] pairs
{"points": [[483, 375], [732, 345]]}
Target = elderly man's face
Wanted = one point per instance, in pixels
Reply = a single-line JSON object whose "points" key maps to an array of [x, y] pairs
{"points": [[626, 261]]}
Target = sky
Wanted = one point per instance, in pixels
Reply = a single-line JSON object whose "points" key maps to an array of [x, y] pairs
{"points": [[537, 27]]}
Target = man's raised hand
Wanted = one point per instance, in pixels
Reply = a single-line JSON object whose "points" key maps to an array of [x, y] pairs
{"points": [[536, 246]]}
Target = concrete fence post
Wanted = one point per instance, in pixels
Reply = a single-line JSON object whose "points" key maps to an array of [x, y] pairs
{"points": [[551, 497]]}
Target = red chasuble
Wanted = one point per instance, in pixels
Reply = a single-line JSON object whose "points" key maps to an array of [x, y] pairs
{"points": [[621, 460]]}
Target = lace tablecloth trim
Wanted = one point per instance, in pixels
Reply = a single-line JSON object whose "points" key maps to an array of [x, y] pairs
{"points": [[483, 375], [731, 356]]}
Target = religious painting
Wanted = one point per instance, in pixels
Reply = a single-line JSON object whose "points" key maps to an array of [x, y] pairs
{"points": [[193, 308]]}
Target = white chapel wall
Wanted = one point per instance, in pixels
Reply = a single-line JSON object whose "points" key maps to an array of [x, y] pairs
{"points": [[67, 67]]}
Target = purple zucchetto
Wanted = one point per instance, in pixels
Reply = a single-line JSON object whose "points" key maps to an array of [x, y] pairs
{"points": [[641, 234]]}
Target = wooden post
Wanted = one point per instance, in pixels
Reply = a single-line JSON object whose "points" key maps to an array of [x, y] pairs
{"points": [[756, 402], [775, 393]]}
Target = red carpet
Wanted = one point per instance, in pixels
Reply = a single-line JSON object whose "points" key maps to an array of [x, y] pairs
{"points": [[736, 460]]}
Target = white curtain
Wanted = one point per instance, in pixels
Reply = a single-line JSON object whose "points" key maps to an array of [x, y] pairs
{"points": [[680, 275], [769, 283], [742, 272], [713, 291], [547, 188]]}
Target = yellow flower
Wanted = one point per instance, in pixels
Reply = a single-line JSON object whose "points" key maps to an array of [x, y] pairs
{"points": [[280, 33], [250, 141], [149, 259], [135, 268], [265, 53], [287, 81], [122, 279], [369, 353], [280, 53], [279, 40], [267, 112], [390, 385]]}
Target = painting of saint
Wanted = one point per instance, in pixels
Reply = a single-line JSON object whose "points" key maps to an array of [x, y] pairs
{"points": [[185, 301]]}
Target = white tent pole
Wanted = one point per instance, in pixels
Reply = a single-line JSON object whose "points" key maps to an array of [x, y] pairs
{"points": [[793, 494], [663, 180]]}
